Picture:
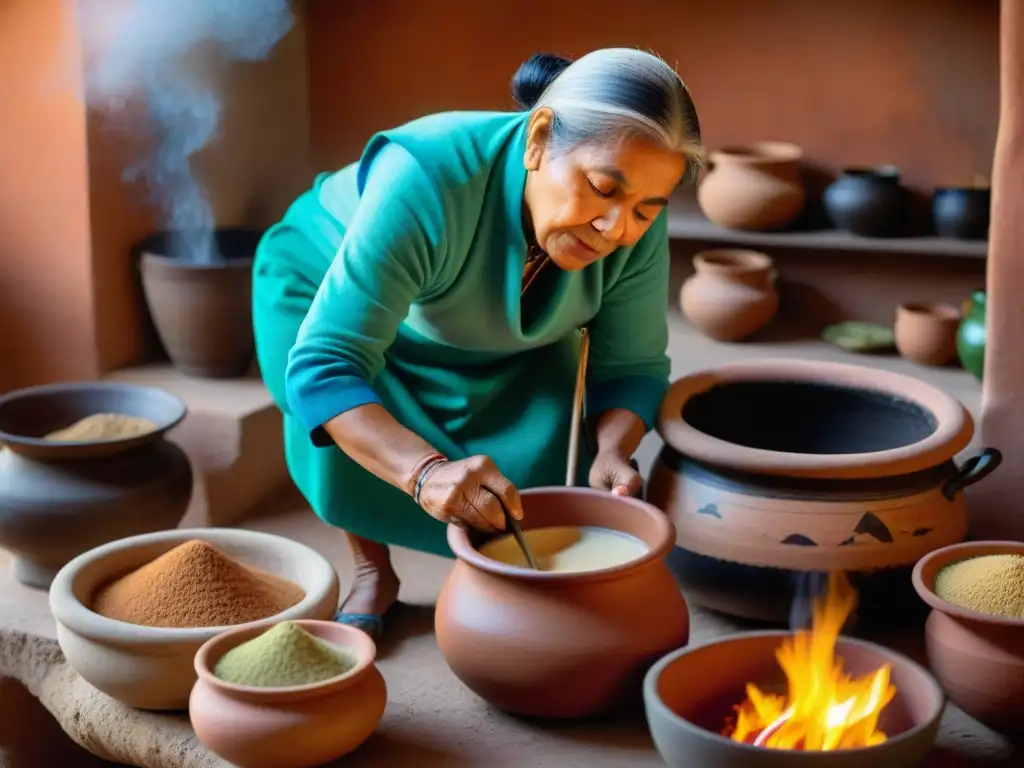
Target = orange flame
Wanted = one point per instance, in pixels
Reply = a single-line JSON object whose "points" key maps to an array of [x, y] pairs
{"points": [[824, 709]]}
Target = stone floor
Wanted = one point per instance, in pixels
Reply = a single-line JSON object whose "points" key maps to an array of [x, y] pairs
{"points": [[431, 719]]}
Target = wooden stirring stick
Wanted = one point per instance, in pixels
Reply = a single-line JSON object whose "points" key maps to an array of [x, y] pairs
{"points": [[573, 461]]}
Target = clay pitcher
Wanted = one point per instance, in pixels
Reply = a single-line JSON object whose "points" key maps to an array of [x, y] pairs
{"points": [[732, 294], [754, 188], [562, 645]]}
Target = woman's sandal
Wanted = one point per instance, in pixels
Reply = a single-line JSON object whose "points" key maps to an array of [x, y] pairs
{"points": [[370, 623]]}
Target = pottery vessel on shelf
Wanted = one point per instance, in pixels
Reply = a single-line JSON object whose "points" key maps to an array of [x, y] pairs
{"points": [[755, 188], [732, 294], [775, 467], [562, 645], [971, 336], [152, 667], [201, 304], [689, 693], [978, 658], [304, 725], [962, 212], [58, 499], [926, 333], [869, 202]]}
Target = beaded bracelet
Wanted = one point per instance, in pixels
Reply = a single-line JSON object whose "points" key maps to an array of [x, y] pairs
{"points": [[432, 461]]}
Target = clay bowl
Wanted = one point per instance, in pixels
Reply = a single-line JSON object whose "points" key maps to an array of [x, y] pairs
{"points": [[59, 499], [689, 693], [302, 725], [926, 333], [152, 667], [562, 645], [978, 658]]}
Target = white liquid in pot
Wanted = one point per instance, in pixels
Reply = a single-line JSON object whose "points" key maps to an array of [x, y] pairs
{"points": [[568, 549]]}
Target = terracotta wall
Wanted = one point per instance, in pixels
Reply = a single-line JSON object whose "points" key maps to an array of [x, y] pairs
{"points": [[912, 82], [69, 304]]}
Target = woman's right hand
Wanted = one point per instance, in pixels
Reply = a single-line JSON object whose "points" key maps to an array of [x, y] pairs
{"points": [[467, 492]]}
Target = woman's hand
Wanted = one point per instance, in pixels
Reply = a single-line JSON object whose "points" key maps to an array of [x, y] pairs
{"points": [[467, 492], [611, 471]]}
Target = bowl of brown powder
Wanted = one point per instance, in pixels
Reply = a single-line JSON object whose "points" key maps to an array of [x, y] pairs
{"points": [[299, 693], [975, 632], [132, 614], [87, 419]]}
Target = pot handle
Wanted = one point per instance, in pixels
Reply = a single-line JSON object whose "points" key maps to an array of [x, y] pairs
{"points": [[974, 469]]}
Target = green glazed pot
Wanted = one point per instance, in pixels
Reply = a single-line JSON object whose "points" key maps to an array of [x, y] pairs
{"points": [[970, 337]]}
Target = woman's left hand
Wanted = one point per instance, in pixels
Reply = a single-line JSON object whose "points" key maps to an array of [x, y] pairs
{"points": [[612, 472]]}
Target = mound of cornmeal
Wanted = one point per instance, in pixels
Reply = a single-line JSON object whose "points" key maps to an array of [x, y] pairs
{"points": [[285, 655]]}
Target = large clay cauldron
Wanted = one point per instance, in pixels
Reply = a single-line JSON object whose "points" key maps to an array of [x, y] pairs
{"points": [[562, 645], [59, 499], [773, 468]]}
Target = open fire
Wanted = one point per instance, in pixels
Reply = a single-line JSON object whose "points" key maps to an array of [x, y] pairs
{"points": [[823, 708]]}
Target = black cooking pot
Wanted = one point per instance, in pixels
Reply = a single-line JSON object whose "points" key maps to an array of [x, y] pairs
{"points": [[962, 212], [869, 202]]}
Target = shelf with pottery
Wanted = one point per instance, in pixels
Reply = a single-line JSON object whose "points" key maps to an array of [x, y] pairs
{"points": [[753, 195]]}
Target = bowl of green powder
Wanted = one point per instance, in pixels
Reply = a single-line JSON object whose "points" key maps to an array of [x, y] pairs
{"points": [[974, 635], [295, 694]]}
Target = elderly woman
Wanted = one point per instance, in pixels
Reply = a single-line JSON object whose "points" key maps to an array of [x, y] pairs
{"points": [[416, 313]]}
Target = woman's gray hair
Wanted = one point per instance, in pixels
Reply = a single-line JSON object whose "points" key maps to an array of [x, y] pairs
{"points": [[609, 93]]}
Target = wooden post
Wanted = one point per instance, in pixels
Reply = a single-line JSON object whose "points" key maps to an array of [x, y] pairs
{"points": [[998, 504]]}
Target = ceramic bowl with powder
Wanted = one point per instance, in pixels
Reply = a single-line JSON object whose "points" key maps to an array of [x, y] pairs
{"points": [[990, 584], [142, 654], [299, 693]]}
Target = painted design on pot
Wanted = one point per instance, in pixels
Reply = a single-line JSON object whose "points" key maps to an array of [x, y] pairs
{"points": [[710, 509], [731, 295], [753, 188], [562, 645], [812, 467]]}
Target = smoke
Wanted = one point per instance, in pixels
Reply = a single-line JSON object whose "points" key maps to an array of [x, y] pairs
{"points": [[161, 55]]}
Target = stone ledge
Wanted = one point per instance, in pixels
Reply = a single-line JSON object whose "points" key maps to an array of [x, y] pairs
{"points": [[233, 436]]}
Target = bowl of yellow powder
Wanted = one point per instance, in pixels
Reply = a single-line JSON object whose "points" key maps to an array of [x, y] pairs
{"points": [[296, 693], [132, 614], [974, 635]]}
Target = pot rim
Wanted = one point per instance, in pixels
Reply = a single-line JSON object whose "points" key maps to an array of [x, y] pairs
{"points": [[653, 700], [38, 447], [985, 191], [941, 311], [151, 259], [72, 613], [886, 171], [953, 432], [663, 531], [928, 567], [743, 260], [758, 153], [356, 640]]}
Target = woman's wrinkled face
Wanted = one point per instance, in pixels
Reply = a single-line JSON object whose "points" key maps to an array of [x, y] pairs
{"points": [[585, 203]]}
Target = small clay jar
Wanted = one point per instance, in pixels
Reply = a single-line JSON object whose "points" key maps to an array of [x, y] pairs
{"points": [[972, 334], [754, 188], [732, 294], [293, 727], [926, 333], [869, 202], [562, 645]]}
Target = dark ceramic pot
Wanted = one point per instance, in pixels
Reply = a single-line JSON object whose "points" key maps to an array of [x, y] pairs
{"points": [[202, 309], [869, 202], [59, 499], [962, 212], [971, 335]]}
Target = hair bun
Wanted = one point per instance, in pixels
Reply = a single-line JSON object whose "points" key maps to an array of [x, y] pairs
{"points": [[534, 75]]}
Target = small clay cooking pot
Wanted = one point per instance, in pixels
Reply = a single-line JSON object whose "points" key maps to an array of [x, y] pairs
{"points": [[562, 645], [926, 333], [302, 725], [689, 693], [978, 658]]}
